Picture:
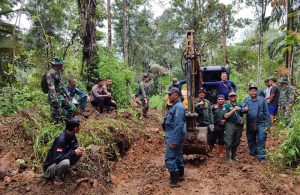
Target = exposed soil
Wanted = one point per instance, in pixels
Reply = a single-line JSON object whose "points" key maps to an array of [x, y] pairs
{"points": [[142, 170]]}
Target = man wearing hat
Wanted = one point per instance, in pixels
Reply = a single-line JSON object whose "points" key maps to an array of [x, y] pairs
{"points": [[64, 152], [175, 132], [57, 93], [258, 120], [233, 114], [178, 84], [219, 126], [287, 93]]}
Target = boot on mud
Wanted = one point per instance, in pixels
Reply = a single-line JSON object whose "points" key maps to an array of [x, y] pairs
{"points": [[233, 155], [221, 151], [228, 155], [174, 179], [210, 149], [181, 173]]}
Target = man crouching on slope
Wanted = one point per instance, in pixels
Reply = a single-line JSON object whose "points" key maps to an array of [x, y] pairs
{"points": [[175, 133], [63, 153]]}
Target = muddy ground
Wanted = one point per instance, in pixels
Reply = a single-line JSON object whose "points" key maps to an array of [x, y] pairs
{"points": [[142, 170]]}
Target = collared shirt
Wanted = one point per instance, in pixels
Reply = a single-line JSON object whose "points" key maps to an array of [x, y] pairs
{"points": [[97, 92], [175, 124], [62, 148], [223, 87], [257, 110], [233, 118]]}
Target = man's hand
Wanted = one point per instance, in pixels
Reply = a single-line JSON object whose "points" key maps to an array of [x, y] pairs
{"points": [[88, 98], [172, 146], [245, 109], [201, 103], [223, 122], [236, 108], [79, 151], [146, 100]]}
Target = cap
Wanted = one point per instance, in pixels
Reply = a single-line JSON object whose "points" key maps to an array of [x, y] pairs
{"points": [[231, 94], [203, 90], [220, 96], [72, 123], [175, 81], [252, 86], [173, 90], [283, 80], [57, 61]]}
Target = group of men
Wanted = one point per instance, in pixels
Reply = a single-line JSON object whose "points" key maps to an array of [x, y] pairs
{"points": [[63, 99], [225, 121]]}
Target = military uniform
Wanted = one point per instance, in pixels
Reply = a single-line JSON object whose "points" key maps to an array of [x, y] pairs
{"points": [[205, 116], [58, 98], [287, 93], [234, 130], [219, 127], [144, 92]]}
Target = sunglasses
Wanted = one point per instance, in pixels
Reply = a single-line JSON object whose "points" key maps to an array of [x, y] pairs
{"points": [[221, 99], [170, 94]]}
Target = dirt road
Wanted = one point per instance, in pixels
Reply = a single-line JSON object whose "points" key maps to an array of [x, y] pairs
{"points": [[142, 171]]}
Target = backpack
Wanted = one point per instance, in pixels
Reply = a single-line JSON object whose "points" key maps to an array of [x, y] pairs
{"points": [[44, 84]]}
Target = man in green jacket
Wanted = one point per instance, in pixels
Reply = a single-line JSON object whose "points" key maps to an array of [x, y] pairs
{"points": [[233, 114]]}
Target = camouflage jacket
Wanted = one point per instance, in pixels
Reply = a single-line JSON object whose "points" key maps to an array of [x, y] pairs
{"points": [[55, 84], [205, 115], [287, 94], [144, 89]]}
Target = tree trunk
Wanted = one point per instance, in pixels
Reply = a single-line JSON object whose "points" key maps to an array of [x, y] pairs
{"points": [[260, 44], [224, 24], [109, 16], [289, 28], [125, 31], [87, 10]]}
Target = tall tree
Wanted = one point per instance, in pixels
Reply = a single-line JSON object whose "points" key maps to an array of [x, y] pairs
{"points": [[126, 30], [109, 17], [224, 35], [87, 10]]}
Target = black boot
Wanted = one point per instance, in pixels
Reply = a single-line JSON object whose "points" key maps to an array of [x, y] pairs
{"points": [[233, 154], [174, 179], [181, 173]]}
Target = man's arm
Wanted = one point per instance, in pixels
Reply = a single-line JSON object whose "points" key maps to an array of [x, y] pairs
{"points": [[266, 113], [216, 83], [80, 93], [182, 82], [96, 94], [178, 126], [60, 153], [233, 86], [211, 116], [228, 113], [51, 86], [142, 87], [272, 93]]}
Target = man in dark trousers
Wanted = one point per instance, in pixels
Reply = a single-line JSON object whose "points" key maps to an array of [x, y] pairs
{"points": [[224, 86], [258, 119], [175, 133], [64, 152], [233, 114], [219, 126]]}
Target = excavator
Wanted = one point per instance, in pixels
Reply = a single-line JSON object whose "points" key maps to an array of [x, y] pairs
{"points": [[195, 142]]}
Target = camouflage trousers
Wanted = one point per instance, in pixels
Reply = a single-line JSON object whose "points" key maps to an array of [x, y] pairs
{"points": [[284, 110], [63, 109]]}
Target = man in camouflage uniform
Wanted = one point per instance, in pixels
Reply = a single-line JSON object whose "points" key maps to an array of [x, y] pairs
{"points": [[143, 93], [287, 93], [57, 94]]}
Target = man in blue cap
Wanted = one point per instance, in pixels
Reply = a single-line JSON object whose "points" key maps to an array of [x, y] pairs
{"points": [[175, 133], [258, 119]]}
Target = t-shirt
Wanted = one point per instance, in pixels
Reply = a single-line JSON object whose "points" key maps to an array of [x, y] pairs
{"points": [[268, 91], [275, 90]]}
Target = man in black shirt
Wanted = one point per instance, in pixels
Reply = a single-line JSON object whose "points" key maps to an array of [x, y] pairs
{"points": [[274, 99], [63, 153]]}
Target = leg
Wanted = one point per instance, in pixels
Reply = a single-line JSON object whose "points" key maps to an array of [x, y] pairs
{"points": [[251, 140], [180, 163], [211, 139], [70, 108], [238, 130], [62, 167], [145, 108], [220, 138], [171, 164], [55, 111], [82, 102], [228, 140], [261, 142], [50, 172]]}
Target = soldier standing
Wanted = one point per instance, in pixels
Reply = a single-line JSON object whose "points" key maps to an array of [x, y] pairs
{"points": [[143, 93], [286, 98], [57, 93]]}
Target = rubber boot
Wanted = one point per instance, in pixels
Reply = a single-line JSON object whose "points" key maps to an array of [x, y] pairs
{"points": [[221, 151], [210, 149], [181, 173], [174, 179], [233, 154], [228, 155]]}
